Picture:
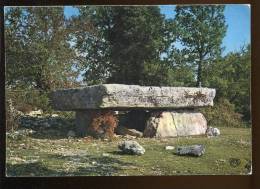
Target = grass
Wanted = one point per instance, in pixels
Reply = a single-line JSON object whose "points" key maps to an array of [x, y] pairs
{"points": [[53, 154]]}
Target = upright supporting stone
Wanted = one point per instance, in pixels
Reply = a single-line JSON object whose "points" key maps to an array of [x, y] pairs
{"points": [[83, 120], [96, 123], [175, 123]]}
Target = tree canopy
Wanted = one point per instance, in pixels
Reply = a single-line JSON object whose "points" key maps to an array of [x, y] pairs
{"points": [[128, 45], [38, 52], [128, 42], [201, 30]]}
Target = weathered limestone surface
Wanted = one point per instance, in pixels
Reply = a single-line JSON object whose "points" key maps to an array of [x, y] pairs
{"points": [[131, 147], [118, 96], [173, 124], [83, 120], [193, 150]]}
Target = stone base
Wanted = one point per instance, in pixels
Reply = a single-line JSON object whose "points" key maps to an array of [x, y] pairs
{"points": [[96, 123], [175, 123]]}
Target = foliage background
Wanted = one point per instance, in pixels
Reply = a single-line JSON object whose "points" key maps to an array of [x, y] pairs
{"points": [[131, 45]]}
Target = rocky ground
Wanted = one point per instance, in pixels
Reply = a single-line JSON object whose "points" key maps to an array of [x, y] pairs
{"points": [[46, 146]]}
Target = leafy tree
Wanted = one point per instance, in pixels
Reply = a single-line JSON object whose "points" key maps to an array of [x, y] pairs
{"points": [[38, 52], [182, 68], [230, 76], [200, 30], [128, 42]]}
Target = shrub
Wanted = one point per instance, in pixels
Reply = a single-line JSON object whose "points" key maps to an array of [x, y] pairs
{"points": [[223, 114], [26, 100], [12, 116], [103, 124]]}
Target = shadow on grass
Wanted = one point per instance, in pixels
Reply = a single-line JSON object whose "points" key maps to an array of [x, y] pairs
{"points": [[30, 169], [121, 153], [89, 166]]}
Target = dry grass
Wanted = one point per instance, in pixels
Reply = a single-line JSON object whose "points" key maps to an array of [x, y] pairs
{"points": [[53, 154]]}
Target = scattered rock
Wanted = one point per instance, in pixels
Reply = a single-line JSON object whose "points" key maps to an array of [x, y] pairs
{"points": [[193, 150], [30, 131], [234, 162], [129, 137], [31, 161], [213, 131], [71, 134], [105, 154], [134, 132], [20, 133], [131, 147], [35, 113], [220, 161], [121, 130], [169, 148]]}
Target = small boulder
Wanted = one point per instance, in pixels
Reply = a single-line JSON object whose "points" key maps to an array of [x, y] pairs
{"points": [[193, 150], [54, 115], [131, 147], [35, 113], [121, 130], [105, 154], [169, 147], [212, 132], [71, 134]]}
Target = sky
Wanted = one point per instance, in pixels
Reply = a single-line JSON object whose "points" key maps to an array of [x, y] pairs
{"points": [[237, 18]]}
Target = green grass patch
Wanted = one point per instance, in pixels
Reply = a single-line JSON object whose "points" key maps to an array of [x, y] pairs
{"points": [[31, 155]]}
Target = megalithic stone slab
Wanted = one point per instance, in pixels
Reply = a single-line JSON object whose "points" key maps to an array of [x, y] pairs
{"points": [[118, 96]]}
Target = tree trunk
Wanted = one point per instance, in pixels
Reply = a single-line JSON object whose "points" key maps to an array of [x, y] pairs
{"points": [[199, 74]]}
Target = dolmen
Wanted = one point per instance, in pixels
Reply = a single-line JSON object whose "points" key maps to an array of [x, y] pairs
{"points": [[156, 111]]}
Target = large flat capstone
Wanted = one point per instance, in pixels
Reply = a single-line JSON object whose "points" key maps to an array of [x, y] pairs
{"points": [[119, 96]]}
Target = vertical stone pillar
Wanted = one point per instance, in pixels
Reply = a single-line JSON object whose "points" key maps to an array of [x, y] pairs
{"points": [[175, 123], [83, 120]]}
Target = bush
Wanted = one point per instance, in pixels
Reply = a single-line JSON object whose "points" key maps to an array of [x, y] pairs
{"points": [[26, 100], [103, 124], [223, 114], [12, 116]]}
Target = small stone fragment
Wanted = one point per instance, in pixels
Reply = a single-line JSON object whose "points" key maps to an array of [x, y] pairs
{"points": [[35, 113], [234, 162], [213, 131], [105, 154], [193, 150], [121, 130], [131, 147], [169, 148]]}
